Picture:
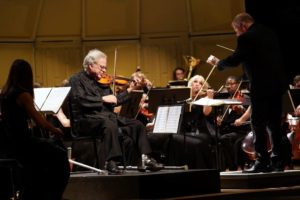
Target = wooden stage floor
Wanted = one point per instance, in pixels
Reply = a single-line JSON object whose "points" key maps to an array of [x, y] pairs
{"points": [[185, 184]]}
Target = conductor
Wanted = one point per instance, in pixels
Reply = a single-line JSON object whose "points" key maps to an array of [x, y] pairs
{"points": [[258, 50]]}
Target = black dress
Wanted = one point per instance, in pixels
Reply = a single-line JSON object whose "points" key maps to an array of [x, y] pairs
{"points": [[45, 166]]}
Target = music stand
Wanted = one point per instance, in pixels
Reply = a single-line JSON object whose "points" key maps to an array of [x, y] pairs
{"points": [[177, 83], [131, 107], [168, 119], [167, 96], [290, 100], [215, 103]]}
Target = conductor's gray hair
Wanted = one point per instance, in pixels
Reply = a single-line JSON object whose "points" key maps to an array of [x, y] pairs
{"points": [[241, 18]]}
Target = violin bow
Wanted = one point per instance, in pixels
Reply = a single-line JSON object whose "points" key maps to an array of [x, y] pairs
{"points": [[140, 107], [115, 64], [205, 81], [291, 99]]}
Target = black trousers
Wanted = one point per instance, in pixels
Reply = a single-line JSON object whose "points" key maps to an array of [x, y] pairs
{"points": [[266, 119], [110, 128]]}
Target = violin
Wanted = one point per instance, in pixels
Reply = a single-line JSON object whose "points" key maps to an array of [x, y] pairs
{"points": [[107, 80]]}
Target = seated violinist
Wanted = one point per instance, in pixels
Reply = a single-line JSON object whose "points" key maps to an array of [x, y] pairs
{"points": [[197, 118], [145, 85], [92, 106], [233, 126], [192, 146]]}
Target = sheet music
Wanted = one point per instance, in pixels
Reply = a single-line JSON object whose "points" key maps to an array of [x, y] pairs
{"points": [[40, 94], [50, 99], [167, 119], [216, 102]]}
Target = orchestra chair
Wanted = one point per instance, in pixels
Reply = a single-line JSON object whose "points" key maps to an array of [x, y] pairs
{"points": [[10, 183], [10, 169], [84, 148], [89, 149]]}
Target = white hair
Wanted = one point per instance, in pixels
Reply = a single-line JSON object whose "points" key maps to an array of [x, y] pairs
{"points": [[92, 56], [200, 79]]}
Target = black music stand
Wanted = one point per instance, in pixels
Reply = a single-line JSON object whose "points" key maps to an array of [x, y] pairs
{"points": [[131, 107], [177, 83], [167, 96], [295, 94], [215, 103]]}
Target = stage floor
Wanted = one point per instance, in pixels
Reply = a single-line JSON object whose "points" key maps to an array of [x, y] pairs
{"points": [[143, 185], [239, 180], [185, 184]]}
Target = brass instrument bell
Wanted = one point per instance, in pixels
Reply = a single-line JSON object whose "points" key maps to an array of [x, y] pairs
{"points": [[191, 63]]}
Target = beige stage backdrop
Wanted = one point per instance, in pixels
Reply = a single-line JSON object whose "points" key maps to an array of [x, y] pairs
{"points": [[54, 36]]}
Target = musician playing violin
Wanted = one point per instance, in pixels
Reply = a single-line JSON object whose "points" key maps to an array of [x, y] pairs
{"points": [[92, 108], [195, 127], [233, 127]]}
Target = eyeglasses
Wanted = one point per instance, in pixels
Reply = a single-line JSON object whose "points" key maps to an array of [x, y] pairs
{"points": [[101, 66]]}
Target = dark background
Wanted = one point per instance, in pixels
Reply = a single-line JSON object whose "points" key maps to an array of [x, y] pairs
{"points": [[284, 17]]}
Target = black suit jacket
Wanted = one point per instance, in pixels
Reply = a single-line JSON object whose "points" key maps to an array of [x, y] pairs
{"points": [[259, 52]]}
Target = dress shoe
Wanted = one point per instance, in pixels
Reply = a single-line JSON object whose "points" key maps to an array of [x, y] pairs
{"points": [[112, 168], [258, 167], [152, 165], [277, 166]]}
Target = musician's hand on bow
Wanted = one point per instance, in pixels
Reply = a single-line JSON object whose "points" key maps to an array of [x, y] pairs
{"points": [[212, 60], [219, 120], [110, 99]]}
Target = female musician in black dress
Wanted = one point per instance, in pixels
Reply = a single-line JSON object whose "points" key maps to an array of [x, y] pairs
{"points": [[45, 166], [194, 146]]}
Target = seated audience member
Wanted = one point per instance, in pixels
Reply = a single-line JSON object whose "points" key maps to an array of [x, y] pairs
{"points": [[92, 106], [45, 165]]}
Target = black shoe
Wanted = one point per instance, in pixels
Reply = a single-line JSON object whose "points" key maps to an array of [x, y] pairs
{"points": [[277, 166], [142, 168], [258, 167], [152, 165], [112, 168]]}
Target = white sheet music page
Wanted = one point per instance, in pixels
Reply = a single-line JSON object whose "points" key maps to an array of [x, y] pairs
{"points": [[53, 100], [167, 119], [40, 95]]}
